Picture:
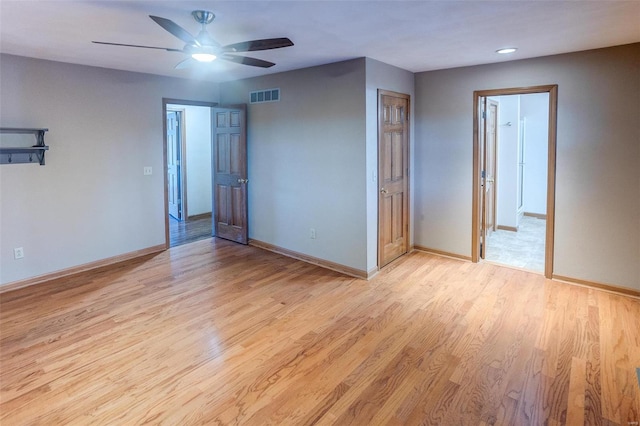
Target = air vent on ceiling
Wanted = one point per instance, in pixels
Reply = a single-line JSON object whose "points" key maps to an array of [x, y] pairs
{"points": [[261, 96]]}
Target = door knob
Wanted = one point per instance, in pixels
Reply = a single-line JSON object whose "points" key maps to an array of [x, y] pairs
{"points": [[383, 191], [243, 180]]}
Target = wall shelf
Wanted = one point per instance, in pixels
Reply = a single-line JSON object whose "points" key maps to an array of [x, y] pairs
{"points": [[24, 154]]}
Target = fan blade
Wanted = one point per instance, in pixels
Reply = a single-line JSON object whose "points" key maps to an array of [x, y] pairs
{"points": [[176, 30], [244, 60], [264, 44], [137, 45], [187, 63]]}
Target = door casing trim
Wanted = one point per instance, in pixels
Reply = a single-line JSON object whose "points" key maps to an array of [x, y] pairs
{"points": [[552, 90]]}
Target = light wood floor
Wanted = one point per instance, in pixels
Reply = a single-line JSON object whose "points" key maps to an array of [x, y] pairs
{"points": [[190, 230], [219, 333]]}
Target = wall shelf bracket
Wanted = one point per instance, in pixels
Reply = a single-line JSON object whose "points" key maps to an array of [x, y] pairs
{"points": [[24, 154]]}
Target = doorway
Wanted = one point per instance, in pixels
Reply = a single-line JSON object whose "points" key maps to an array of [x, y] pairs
{"points": [[187, 152], [393, 176], [514, 182], [518, 125]]}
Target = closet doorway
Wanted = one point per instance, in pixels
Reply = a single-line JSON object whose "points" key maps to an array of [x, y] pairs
{"points": [[514, 177]]}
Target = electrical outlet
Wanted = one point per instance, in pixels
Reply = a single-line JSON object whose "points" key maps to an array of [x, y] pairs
{"points": [[18, 253], [312, 233], [147, 171]]}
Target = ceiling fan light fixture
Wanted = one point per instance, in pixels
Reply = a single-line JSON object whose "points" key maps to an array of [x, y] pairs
{"points": [[204, 57], [205, 49], [506, 50]]}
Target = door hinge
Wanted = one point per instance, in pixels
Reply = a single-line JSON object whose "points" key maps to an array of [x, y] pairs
{"points": [[484, 115]]}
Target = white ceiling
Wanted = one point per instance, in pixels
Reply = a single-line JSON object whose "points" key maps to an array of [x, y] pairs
{"points": [[414, 35]]}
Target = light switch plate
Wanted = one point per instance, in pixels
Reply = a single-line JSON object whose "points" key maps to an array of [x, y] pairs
{"points": [[18, 253]]}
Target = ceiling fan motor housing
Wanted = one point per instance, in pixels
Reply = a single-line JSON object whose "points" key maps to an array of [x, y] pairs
{"points": [[203, 17]]}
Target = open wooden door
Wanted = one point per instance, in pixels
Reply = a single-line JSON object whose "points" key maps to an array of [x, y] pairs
{"points": [[482, 133], [230, 173], [491, 138], [488, 148], [393, 176]]}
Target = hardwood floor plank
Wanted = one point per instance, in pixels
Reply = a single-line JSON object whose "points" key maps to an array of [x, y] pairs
{"points": [[219, 333], [618, 381], [438, 395], [557, 394], [507, 411], [423, 384], [577, 388]]}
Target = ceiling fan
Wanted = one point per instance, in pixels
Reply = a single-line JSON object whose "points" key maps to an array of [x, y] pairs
{"points": [[203, 48]]}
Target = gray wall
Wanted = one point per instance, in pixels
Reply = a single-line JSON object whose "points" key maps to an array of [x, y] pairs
{"points": [[386, 77], [507, 161], [597, 235], [318, 147], [91, 200], [534, 108], [198, 161], [306, 157]]}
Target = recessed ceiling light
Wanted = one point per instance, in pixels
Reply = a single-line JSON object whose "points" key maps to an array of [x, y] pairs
{"points": [[506, 50]]}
